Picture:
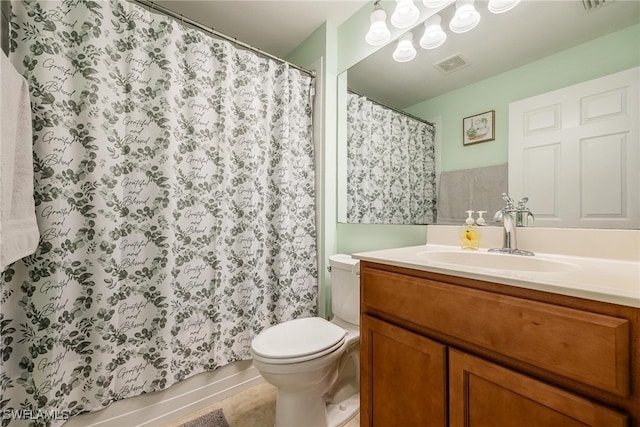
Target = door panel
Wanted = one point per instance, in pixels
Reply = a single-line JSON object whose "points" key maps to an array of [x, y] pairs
{"points": [[575, 153]]}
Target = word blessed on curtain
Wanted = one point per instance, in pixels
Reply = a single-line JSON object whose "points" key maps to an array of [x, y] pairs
{"points": [[174, 190]]}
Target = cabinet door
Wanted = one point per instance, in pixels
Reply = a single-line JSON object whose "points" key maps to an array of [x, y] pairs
{"points": [[485, 394], [403, 377]]}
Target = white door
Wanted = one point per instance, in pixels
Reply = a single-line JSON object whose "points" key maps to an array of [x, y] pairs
{"points": [[575, 153]]}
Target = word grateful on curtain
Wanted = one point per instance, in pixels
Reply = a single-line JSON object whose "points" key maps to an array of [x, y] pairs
{"points": [[391, 167], [174, 189]]}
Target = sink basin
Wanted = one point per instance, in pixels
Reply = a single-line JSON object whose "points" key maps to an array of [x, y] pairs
{"points": [[496, 261]]}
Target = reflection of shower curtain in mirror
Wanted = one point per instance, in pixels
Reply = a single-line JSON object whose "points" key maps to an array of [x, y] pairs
{"points": [[391, 172]]}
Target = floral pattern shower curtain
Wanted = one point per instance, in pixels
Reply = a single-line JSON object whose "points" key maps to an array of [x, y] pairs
{"points": [[175, 200], [391, 169]]}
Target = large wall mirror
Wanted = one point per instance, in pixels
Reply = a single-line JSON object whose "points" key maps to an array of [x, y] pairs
{"points": [[507, 57]]}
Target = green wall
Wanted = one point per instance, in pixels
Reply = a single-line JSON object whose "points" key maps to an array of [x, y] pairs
{"points": [[370, 237], [608, 54], [321, 47]]}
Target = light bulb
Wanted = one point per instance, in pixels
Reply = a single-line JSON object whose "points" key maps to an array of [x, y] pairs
{"points": [[378, 33], [435, 3], [501, 6], [433, 36], [405, 15], [405, 51], [466, 17]]}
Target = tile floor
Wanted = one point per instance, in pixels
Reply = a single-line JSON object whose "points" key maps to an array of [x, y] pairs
{"points": [[254, 407]]}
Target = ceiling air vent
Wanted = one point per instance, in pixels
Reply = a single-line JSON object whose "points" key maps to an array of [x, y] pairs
{"points": [[592, 4], [452, 63]]}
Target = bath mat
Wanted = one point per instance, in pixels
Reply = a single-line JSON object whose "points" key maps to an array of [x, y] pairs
{"points": [[212, 419]]}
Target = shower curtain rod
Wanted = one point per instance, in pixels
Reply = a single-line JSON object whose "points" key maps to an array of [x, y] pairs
{"points": [[397, 110], [161, 9]]}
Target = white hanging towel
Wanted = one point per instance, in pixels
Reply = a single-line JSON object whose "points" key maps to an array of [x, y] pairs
{"points": [[19, 233]]}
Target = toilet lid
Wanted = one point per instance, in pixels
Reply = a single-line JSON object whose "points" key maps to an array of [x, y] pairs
{"points": [[296, 338]]}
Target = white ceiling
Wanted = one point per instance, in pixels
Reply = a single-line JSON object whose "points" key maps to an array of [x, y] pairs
{"points": [[275, 27], [534, 29]]}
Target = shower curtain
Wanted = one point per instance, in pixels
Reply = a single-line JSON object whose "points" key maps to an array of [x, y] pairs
{"points": [[174, 186], [391, 169]]}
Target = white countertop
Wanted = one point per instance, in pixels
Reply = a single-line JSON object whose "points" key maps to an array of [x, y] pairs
{"points": [[608, 280]]}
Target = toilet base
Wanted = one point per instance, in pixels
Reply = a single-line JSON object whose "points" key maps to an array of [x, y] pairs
{"points": [[338, 414], [292, 407]]}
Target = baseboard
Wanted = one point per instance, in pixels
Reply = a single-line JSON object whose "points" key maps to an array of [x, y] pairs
{"points": [[179, 400]]}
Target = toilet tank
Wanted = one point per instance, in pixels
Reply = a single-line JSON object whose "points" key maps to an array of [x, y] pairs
{"points": [[345, 288]]}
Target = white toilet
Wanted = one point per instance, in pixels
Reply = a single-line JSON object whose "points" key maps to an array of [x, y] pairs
{"points": [[313, 362]]}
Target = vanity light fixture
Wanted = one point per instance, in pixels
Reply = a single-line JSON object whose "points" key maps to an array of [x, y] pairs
{"points": [[501, 6], [466, 17], [435, 3], [405, 51], [378, 33], [405, 15], [433, 36]]}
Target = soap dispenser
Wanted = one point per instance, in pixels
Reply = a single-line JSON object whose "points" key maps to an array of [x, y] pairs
{"points": [[481, 220], [469, 234]]}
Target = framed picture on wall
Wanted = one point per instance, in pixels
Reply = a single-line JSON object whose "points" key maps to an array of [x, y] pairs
{"points": [[478, 128]]}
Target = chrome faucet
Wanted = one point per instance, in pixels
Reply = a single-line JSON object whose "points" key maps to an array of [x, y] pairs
{"points": [[505, 215]]}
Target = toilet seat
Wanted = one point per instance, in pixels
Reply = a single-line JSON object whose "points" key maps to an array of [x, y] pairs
{"points": [[297, 340]]}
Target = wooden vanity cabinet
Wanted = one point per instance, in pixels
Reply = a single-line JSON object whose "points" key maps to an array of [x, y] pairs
{"points": [[439, 350], [402, 366]]}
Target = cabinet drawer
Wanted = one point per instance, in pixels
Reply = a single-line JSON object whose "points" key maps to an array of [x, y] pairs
{"points": [[587, 347]]}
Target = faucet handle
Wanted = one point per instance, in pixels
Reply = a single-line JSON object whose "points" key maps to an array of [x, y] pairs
{"points": [[509, 201], [522, 204]]}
